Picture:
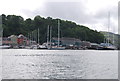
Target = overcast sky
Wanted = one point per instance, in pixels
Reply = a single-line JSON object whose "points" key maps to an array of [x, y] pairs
{"points": [[91, 13]]}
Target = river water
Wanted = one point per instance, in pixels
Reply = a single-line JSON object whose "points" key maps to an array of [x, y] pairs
{"points": [[59, 64]]}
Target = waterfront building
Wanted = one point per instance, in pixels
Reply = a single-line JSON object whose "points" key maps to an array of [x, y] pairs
{"points": [[86, 44], [22, 40], [6, 41], [13, 39], [68, 42]]}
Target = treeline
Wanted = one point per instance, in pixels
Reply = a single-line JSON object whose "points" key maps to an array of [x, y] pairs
{"points": [[16, 25]]}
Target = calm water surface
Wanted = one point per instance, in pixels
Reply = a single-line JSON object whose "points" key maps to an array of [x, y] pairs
{"points": [[59, 64]]}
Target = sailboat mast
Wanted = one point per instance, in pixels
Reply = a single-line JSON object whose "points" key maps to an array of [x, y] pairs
{"points": [[35, 36], [58, 33], [31, 38], [113, 39], [1, 37], [50, 35], [28, 39], [108, 27], [38, 35], [47, 36]]}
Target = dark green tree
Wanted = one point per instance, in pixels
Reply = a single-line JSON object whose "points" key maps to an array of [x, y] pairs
{"points": [[13, 24]]}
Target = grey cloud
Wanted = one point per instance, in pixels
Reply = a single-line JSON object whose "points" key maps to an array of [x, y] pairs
{"points": [[74, 11]]}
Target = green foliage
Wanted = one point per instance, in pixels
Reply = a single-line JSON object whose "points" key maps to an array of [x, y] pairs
{"points": [[13, 24]]}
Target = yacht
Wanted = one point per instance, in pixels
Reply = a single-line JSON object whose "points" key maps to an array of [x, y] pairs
{"points": [[107, 45]]}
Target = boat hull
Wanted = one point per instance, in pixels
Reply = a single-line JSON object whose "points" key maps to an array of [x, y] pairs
{"points": [[5, 47], [57, 48]]}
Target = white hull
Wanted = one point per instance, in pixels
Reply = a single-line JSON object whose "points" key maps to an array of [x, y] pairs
{"points": [[42, 47], [57, 48], [111, 47], [5, 47]]}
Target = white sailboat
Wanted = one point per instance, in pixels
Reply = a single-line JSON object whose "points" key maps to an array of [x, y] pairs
{"points": [[107, 45]]}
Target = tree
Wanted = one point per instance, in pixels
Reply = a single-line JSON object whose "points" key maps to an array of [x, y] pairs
{"points": [[13, 24]]}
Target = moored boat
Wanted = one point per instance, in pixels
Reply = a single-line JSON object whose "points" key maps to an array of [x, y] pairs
{"points": [[49, 43], [5, 47], [56, 48], [108, 46]]}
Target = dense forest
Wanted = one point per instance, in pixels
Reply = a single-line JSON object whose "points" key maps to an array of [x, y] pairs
{"points": [[16, 25]]}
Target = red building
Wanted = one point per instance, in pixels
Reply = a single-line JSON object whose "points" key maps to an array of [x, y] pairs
{"points": [[22, 40]]}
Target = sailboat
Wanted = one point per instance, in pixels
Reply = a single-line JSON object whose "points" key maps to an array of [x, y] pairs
{"points": [[107, 45], [46, 45], [58, 47], [32, 37]]}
